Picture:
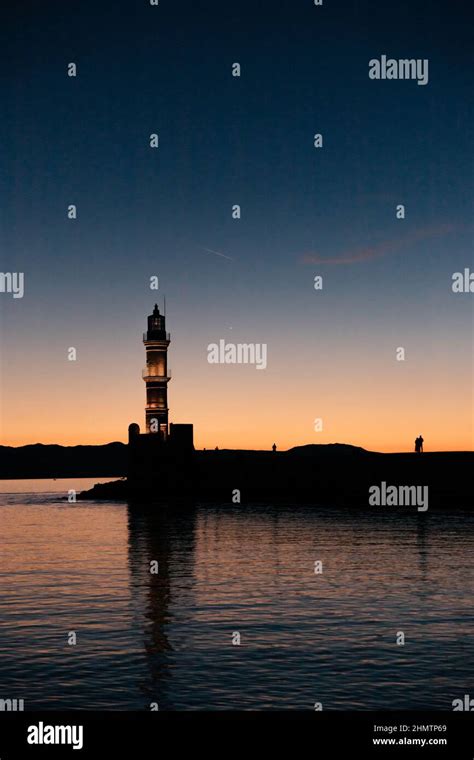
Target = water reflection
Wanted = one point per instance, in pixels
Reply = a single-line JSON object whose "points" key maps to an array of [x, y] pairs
{"points": [[305, 637], [167, 637], [161, 556]]}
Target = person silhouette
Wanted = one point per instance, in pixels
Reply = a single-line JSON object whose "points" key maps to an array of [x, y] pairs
{"points": [[274, 447], [420, 441], [417, 445]]}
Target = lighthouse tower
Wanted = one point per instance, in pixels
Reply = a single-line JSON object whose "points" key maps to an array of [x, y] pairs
{"points": [[160, 461], [156, 374]]}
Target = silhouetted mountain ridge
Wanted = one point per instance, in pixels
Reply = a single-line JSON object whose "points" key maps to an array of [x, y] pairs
{"points": [[39, 460], [336, 449]]}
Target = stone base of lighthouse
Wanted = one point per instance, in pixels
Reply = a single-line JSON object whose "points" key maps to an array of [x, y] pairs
{"points": [[161, 469]]}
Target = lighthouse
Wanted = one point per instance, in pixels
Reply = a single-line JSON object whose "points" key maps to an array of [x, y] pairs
{"points": [[160, 461], [156, 375]]}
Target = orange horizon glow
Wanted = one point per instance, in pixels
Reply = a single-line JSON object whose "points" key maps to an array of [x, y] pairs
{"points": [[241, 408], [350, 379]]}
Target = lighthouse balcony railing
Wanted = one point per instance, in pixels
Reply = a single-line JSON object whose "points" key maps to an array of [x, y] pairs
{"points": [[157, 335], [151, 374]]}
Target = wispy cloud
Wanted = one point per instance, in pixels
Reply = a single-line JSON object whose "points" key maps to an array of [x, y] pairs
{"points": [[217, 253], [381, 249]]}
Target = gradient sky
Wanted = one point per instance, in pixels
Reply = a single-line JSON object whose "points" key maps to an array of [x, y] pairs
{"points": [[247, 141]]}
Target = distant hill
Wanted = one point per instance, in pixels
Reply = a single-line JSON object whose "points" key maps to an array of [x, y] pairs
{"points": [[52, 461], [336, 449]]}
